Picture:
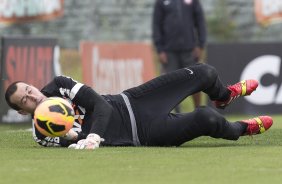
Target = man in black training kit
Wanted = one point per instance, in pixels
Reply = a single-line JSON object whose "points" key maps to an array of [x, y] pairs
{"points": [[179, 35], [141, 116]]}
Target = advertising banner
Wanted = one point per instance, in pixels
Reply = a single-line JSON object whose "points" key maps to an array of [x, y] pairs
{"points": [[32, 60], [18, 11], [236, 62], [113, 67], [268, 11]]}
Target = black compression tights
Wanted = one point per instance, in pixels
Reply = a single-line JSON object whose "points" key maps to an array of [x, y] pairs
{"points": [[153, 101]]}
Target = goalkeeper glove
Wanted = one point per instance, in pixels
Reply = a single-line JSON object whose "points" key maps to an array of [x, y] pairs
{"points": [[92, 141]]}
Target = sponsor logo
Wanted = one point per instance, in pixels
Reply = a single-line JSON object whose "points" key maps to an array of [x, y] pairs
{"points": [[33, 64], [113, 75], [13, 11], [189, 70], [265, 69], [268, 11]]}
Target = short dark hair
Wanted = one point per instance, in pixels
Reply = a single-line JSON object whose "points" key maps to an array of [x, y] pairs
{"points": [[12, 88]]}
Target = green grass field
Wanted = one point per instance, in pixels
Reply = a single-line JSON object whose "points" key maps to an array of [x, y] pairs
{"points": [[204, 160]]}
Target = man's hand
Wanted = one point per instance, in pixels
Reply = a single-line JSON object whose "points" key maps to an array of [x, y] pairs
{"points": [[92, 141], [197, 53], [163, 57]]}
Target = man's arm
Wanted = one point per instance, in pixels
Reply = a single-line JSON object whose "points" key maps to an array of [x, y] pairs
{"points": [[51, 141], [96, 107], [98, 116], [84, 97], [200, 23], [157, 25]]}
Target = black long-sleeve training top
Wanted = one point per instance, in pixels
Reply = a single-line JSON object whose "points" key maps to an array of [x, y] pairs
{"points": [[105, 115], [178, 25]]}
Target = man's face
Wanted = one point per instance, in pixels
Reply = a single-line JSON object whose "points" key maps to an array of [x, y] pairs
{"points": [[27, 97]]}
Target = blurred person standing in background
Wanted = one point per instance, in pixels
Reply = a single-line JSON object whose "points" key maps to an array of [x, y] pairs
{"points": [[179, 35]]}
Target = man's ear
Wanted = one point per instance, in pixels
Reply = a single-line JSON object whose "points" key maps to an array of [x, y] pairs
{"points": [[22, 112]]}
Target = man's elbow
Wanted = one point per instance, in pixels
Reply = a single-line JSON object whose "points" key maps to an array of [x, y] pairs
{"points": [[110, 110]]}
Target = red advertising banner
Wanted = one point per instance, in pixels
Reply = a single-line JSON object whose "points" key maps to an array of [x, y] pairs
{"points": [[17, 11], [31, 60], [113, 67], [268, 11]]}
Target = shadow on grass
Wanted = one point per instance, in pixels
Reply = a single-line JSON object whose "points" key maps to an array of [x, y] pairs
{"points": [[272, 138]]}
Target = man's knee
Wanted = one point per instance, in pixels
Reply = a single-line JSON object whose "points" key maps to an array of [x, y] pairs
{"points": [[208, 73], [208, 117]]}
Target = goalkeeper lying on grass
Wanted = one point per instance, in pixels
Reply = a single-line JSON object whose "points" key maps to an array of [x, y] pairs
{"points": [[141, 116]]}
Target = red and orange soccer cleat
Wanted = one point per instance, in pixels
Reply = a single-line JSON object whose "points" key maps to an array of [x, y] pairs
{"points": [[258, 125], [243, 88]]}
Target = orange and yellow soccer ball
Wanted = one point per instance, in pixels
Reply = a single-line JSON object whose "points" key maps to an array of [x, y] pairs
{"points": [[54, 117]]}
